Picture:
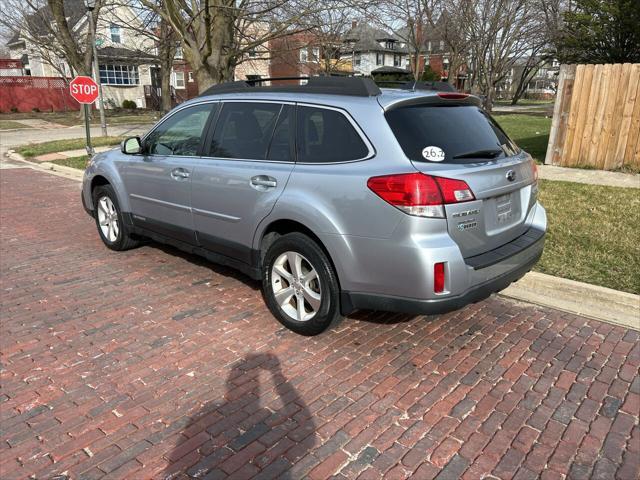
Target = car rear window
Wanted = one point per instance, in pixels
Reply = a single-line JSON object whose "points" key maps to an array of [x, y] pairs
{"points": [[442, 133]]}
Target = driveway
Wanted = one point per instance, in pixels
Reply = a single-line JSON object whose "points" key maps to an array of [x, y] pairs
{"points": [[156, 364]]}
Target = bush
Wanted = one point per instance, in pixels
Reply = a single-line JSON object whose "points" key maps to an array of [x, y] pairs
{"points": [[129, 104], [35, 110], [14, 109], [430, 75]]}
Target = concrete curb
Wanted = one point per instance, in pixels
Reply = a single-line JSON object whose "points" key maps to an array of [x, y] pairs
{"points": [[599, 303], [48, 167]]}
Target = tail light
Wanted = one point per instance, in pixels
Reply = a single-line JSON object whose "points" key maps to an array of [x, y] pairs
{"points": [[438, 277], [419, 194], [534, 166]]}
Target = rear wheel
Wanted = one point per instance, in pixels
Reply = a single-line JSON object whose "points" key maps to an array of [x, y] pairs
{"points": [[300, 286], [111, 227]]}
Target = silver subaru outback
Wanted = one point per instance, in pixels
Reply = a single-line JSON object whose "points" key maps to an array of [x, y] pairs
{"points": [[336, 194]]}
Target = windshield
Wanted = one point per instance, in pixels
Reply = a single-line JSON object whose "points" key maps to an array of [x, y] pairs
{"points": [[449, 134]]}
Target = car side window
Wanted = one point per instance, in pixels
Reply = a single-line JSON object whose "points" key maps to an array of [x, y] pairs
{"points": [[282, 140], [181, 133], [244, 130], [327, 136]]}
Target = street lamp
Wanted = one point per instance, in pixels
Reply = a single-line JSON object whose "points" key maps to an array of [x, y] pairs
{"points": [[91, 5]]}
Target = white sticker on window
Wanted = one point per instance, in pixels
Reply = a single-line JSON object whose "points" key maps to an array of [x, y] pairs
{"points": [[433, 154]]}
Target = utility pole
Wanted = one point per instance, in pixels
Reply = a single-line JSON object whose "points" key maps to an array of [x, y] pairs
{"points": [[96, 69]]}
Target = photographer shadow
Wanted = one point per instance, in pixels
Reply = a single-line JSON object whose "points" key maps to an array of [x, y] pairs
{"points": [[252, 431]]}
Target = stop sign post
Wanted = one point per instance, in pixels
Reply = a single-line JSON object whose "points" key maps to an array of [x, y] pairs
{"points": [[85, 91]]}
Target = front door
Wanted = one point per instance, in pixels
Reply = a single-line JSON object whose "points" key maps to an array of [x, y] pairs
{"points": [[247, 167], [159, 181]]}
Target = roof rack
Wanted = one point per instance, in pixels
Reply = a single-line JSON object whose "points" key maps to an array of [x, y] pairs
{"points": [[353, 86], [420, 85]]}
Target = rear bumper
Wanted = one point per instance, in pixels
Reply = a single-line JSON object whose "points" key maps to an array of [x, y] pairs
{"points": [[520, 264]]}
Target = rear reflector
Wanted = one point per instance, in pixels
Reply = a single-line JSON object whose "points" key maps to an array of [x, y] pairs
{"points": [[452, 96], [438, 277], [419, 194]]}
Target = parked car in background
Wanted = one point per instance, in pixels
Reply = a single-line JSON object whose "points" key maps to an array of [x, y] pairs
{"points": [[335, 194]]}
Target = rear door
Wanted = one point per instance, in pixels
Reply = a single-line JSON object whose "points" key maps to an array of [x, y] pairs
{"points": [[249, 160], [159, 181], [463, 142]]}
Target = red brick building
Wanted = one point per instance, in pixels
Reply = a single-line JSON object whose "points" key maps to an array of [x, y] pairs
{"points": [[295, 55]]}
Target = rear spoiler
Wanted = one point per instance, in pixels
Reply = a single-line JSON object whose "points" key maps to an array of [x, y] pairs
{"points": [[439, 99]]}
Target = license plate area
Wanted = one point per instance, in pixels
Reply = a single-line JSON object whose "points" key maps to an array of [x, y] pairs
{"points": [[504, 209], [503, 212]]}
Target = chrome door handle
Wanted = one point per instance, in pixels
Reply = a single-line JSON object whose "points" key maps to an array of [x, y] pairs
{"points": [[179, 174], [263, 182]]}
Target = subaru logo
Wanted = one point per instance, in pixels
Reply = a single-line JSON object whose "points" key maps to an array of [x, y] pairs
{"points": [[511, 175]]}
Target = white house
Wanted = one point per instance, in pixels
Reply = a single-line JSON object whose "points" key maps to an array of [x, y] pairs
{"points": [[372, 50], [125, 57]]}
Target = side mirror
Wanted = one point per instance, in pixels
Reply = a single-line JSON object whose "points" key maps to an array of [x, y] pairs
{"points": [[131, 146]]}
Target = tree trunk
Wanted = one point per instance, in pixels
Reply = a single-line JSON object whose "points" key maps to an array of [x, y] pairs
{"points": [[165, 88]]}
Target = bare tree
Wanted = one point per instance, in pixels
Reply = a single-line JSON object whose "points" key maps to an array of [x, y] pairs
{"points": [[49, 28], [163, 42], [217, 35], [447, 19]]}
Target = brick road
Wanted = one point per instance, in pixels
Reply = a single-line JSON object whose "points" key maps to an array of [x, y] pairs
{"points": [[155, 364]]}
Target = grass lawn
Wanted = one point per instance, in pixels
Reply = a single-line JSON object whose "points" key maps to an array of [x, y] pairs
{"points": [[526, 102], [10, 124], [530, 132], [593, 234], [73, 118], [35, 149], [73, 162]]}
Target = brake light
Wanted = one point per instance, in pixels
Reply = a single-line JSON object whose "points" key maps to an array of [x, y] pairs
{"points": [[438, 277], [419, 194], [535, 170], [452, 96]]}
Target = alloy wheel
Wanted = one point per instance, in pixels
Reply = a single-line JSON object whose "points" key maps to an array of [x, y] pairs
{"points": [[296, 286], [108, 219]]}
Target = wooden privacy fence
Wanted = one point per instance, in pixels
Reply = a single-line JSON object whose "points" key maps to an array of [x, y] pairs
{"points": [[596, 118]]}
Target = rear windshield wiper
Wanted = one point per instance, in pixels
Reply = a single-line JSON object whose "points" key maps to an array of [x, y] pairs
{"points": [[480, 154]]}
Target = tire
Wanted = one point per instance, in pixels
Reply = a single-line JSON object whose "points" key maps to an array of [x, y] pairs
{"points": [[317, 286], [117, 238]]}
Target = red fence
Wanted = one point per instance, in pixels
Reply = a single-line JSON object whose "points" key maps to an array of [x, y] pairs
{"points": [[47, 94]]}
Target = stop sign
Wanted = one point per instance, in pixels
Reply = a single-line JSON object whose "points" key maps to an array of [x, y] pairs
{"points": [[84, 89]]}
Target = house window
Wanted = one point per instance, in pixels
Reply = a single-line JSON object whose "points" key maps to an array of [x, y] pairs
{"points": [[397, 60], [391, 45], [178, 80], [116, 33], [304, 55], [252, 53], [179, 53], [119, 75], [357, 59], [315, 54], [190, 77], [379, 58], [429, 46], [441, 44]]}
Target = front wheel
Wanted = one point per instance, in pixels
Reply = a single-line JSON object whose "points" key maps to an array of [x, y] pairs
{"points": [[300, 285], [111, 227]]}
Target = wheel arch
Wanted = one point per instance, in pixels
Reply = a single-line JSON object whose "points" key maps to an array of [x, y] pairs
{"points": [[282, 226], [106, 174]]}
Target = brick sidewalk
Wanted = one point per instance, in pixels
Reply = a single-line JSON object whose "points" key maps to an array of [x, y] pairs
{"points": [[155, 364]]}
